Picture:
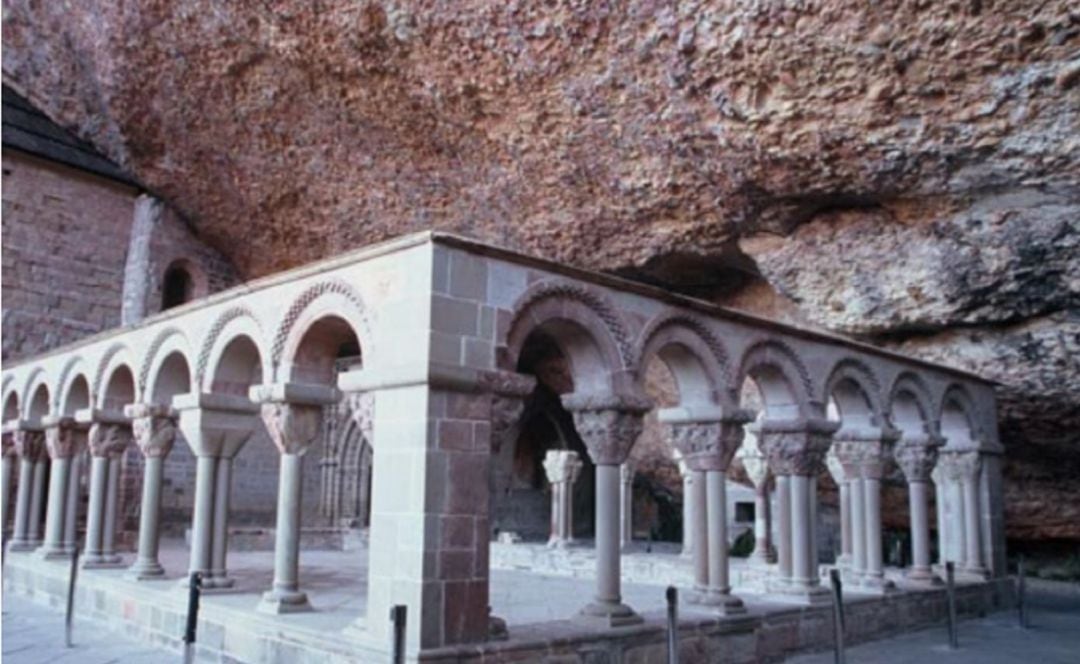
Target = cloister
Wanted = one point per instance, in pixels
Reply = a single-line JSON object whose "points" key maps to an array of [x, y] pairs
{"points": [[435, 346]]}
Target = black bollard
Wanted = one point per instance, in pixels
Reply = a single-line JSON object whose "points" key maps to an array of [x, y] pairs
{"points": [[69, 615], [672, 596], [838, 614], [194, 592], [397, 645], [950, 596]]}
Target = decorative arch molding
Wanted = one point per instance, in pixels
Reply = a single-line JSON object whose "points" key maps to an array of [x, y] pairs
{"points": [[73, 368], [857, 371], [104, 364], [7, 389], [214, 333], [152, 353], [289, 329], [650, 343], [779, 355], [913, 384], [36, 378], [959, 394], [599, 305]]}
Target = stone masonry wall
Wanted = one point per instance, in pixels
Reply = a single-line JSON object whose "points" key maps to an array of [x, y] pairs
{"points": [[64, 239]]}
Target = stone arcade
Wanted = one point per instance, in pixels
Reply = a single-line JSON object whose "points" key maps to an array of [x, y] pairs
{"points": [[445, 327]]}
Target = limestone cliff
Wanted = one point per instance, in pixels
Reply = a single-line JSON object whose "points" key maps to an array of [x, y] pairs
{"points": [[902, 171]]}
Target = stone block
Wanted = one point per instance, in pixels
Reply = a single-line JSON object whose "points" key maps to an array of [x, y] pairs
{"points": [[468, 276], [455, 316]]}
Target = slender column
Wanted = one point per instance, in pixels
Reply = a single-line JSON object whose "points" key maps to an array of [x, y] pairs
{"points": [[864, 454], [974, 562], [626, 500], [293, 426], [839, 476], [801, 574], [62, 445], [609, 429], [7, 471], [112, 500], [699, 528], [562, 468], [875, 569], [917, 457], [757, 468], [940, 503], [957, 527], [202, 517], [71, 514], [783, 521], [37, 502], [687, 508], [29, 445], [154, 429], [219, 576], [858, 536], [95, 512]]}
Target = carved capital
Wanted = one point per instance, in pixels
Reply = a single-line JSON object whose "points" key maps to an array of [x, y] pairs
{"points": [[154, 433], [108, 439], [706, 446], [293, 427], [797, 447], [959, 466], [8, 444], [29, 444], [916, 459], [63, 439], [562, 466], [608, 428], [864, 454]]}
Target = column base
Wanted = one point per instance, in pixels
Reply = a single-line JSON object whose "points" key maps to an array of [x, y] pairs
{"points": [[57, 553], [144, 570], [217, 583], [923, 577], [21, 546], [974, 573], [878, 585], [723, 603], [100, 561], [558, 543], [604, 614], [799, 593], [762, 558], [843, 561], [279, 601]]}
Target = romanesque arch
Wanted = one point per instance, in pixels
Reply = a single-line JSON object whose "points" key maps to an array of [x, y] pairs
{"points": [[695, 356], [856, 391], [315, 306], [958, 419], [910, 406], [781, 377], [233, 356]]}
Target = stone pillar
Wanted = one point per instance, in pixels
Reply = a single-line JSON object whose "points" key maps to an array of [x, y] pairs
{"points": [[562, 468], [215, 426], [154, 430], [626, 500], [37, 501], [796, 450], [29, 445], [970, 466], [107, 440], [940, 494], [71, 514], [757, 469], [609, 427], [708, 440], [689, 508], [62, 439], [7, 470], [836, 471], [917, 457], [864, 455], [293, 417], [218, 578]]}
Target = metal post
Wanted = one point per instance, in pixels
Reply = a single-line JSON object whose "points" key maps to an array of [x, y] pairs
{"points": [[70, 613], [672, 595], [950, 595], [194, 591], [397, 646], [838, 614], [1020, 589]]}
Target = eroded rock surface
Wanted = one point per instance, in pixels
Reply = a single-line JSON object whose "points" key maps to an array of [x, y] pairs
{"points": [[907, 172]]}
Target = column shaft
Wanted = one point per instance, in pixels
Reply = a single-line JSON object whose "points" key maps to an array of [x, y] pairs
{"points": [[699, 528], [22, 506], [146, 563], [626, 517], [858, 528], [95, 513], [920, 530], [112, 500], [783, 518], [815, 575], [973, 560], [71, 514], [220, 540], [800, 530], [687, 513], [54, 519], [608, 565], [957, 523], [37, 502], [285, 596], [874, 560], [7, 471], [202, 517], [845, 522]]}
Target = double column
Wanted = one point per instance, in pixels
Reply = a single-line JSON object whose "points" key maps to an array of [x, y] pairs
{"points": [[29, 444], [863, 454], [916, 456], [609, 426], [562, 468], [63, 440], [962, 471], [154, 430], [796, 451], [216, 427], [292, 414], [708, 440], [110, 434], [7, 477]]}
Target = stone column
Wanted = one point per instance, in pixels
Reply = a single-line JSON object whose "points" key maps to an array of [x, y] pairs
{"points": [[37, 501], [609, 427], [62, 441], [7, 470], [864, 455], [626, 499], [154, 430], [688, 508], [562, 468], [940, 494], [29, 445], [839, 476], [294, 422], [71, 514], [218, 578], [970, 465], [107, 441], [796, 450], [917, 457], [757, 469]]}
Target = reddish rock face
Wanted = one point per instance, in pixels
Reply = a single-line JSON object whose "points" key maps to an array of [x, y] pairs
{"points": [[908, 172]]}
